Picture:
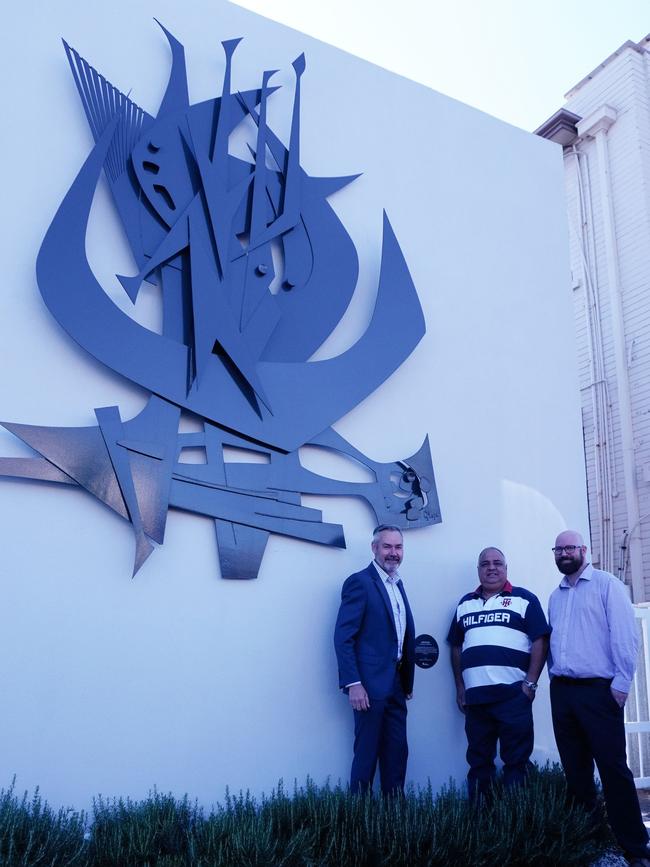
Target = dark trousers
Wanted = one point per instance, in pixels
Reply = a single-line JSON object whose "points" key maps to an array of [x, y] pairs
{"points": [[380, 736], [511, 723], [588, 726]]}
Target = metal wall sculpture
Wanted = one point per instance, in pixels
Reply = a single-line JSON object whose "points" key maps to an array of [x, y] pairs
{"points": [[255, 270]]}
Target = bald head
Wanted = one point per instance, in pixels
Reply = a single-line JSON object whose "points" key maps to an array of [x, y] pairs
{"points": [[569, 537]]}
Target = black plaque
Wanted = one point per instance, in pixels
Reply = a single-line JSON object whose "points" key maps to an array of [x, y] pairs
{"points": [[426, 651]]}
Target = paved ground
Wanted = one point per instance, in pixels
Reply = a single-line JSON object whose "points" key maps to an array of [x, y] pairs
{"points": [[613, 860]]}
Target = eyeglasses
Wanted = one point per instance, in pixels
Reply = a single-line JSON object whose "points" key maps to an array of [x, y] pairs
{"points": [[568, 548]]}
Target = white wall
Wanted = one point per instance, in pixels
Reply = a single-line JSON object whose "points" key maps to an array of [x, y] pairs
{"points": [[181, 679]]}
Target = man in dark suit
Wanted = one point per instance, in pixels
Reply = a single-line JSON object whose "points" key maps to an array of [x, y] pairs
{"points": [[375, 647]]}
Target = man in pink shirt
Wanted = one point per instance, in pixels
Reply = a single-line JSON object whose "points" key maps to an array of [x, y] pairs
{"points": [[591, 664]]}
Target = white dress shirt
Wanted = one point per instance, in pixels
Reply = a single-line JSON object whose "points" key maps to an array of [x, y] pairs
{"points": [[397, 604]]}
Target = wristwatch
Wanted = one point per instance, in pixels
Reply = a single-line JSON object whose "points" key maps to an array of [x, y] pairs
{"points": [[530, 684]]}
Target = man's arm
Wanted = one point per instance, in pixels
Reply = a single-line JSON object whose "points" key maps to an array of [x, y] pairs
{"points": [[549, 655], [538, 652], [458, 677], [348, 623], [624, 640]]}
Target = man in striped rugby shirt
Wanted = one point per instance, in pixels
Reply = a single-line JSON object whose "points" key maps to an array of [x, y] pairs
{"points": [[499, 641]]}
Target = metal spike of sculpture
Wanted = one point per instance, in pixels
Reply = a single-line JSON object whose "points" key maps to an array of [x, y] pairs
{"points": [[236, 338]]}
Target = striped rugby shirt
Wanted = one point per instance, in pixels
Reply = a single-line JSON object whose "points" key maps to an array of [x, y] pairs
{"points": [[496, 636]]}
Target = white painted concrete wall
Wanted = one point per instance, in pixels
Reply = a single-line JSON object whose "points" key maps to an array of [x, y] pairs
{"points": [[623, 83], [181, 679]]}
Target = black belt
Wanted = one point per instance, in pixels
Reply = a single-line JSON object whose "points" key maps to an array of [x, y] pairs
{"points": [[584, 681]]}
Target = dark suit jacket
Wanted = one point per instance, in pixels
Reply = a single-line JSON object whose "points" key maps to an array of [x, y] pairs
{"points": [[365, 637]]}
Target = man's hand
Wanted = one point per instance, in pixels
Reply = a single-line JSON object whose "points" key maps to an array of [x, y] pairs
{"points": [[527, 691], [358, 697], [619, 697], [409, 696], [458, 677]]}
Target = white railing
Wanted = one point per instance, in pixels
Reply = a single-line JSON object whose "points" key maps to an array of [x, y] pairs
{"points": [[637, 709]]}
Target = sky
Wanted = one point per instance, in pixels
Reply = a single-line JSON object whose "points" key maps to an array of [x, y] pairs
{"points": [[514, 59]]}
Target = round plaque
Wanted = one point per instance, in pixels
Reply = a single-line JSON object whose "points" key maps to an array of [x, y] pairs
{"points": [[426, 651]]}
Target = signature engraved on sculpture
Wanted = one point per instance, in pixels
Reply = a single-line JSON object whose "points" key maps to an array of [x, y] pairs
{"points": [[236, 337]]}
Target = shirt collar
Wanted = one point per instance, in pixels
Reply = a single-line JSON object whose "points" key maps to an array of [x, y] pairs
{"points": [[587, 574], [507, 588], [392, 579]]}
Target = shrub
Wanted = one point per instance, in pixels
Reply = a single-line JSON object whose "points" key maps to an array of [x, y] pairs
{"points": [[158, 830], [312, 827], [32, 834], [326, 826]]}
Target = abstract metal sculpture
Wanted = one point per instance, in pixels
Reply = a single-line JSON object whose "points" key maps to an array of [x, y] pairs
{"points": [[236, 339]]}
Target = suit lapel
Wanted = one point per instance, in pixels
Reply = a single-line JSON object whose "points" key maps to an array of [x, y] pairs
{"points": [[407, 607], [381, 588]]}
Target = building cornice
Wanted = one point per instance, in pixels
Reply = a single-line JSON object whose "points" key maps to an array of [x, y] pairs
{"points": [[560, 128], [638, 47], [599, 120]]}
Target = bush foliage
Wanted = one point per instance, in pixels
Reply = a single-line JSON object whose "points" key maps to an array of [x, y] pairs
{"points": [[32, 834], [307, 827]]}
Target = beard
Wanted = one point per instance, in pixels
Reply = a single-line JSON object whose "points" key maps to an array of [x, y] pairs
{"points": [[570, 565]]}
